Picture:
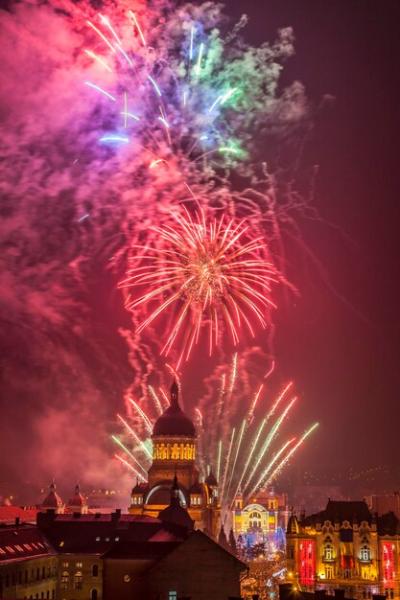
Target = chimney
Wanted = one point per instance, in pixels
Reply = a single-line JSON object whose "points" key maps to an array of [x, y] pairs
{"points": [[115, 516], [45, 519]]}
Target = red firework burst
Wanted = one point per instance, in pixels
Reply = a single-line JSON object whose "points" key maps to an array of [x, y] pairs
{"points": [[205, 273]]}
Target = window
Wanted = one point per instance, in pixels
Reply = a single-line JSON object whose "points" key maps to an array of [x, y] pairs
{"points": [[65, 565], [365, 554], [64, 580], [255, 520], [173, 595], [93, 595], [78, 579], [79, 565], [95, 571], [329, 572], [328, 552]]}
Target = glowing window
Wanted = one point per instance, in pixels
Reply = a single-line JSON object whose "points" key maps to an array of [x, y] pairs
{"points": [[172, 595], [365, 554]]}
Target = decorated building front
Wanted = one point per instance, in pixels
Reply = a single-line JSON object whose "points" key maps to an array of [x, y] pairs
{"points": [[174, 454], [346, 547], [261, 520]]}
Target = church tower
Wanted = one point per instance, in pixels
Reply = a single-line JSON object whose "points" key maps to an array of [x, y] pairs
{"points": [[174, 446], [174, 464]]}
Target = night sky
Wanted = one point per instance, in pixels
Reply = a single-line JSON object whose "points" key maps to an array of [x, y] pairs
{"points": [[339, 340]]}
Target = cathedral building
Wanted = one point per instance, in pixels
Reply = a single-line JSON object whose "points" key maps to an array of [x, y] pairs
{"points": [[174, 456], [347, 547]]}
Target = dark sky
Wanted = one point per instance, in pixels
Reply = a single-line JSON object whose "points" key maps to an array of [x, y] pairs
{"points": [[347, 358], [340, 342]]}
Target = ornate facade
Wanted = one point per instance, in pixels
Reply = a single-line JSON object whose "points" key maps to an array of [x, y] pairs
{"points": [[174, 454], [261, 519], [346, 547]]}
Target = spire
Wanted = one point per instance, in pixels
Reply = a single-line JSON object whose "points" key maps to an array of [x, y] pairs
{"points": [[174, 395], [175, 492]]}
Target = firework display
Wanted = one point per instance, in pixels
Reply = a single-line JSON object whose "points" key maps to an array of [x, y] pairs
{"points": [[213, 270], [243, 457], [189, 102], [144, 146]]}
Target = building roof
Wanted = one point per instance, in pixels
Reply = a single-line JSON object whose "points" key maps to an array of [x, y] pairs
{"points": [[97, 533], [196, 488], [142, 550], [388, 524], [140, 488], [340, 511], [8, 514], [175, 513], [173, 421], [77, 499], [52, 499], [211, 480], [198, 537], [22, 542]]}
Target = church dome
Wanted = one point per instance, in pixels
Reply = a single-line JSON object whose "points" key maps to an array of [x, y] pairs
{"points": [[173, 421], [52, 499], [77, 499]]}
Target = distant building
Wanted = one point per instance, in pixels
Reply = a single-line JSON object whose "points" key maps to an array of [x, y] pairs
{"points": [[261, 519], [174, 454], [28, 563], [347, 547]]}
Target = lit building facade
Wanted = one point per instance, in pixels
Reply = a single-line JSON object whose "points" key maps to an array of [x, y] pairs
{"points": [[174, 454], [261, 519], [345, 547]]}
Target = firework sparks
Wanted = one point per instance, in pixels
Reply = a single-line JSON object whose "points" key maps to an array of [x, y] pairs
{"points": [[210, 273], [246, 458]]}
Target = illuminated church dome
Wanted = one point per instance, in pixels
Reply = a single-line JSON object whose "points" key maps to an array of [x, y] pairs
{"points": [[173, 421]]}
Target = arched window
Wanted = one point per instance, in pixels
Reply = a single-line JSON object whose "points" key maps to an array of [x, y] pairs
{"points": [[95, 571], [328, 552], [78, 578], [255, 520], [93, 595]]}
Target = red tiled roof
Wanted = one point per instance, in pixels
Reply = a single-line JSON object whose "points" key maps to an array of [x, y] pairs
{"points": [[8, 514], [24, 541]]}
